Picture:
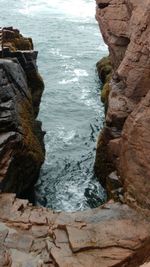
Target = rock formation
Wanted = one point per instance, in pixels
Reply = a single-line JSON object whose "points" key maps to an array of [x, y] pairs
{"points": [[115, 234], [124, 144], [21, 137]]}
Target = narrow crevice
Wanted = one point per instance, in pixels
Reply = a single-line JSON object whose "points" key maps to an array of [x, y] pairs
{"points": [[103, 5]]}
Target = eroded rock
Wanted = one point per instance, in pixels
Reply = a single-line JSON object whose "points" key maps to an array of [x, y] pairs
{"points": [[21, 137], [111, 235], [125, 26]]}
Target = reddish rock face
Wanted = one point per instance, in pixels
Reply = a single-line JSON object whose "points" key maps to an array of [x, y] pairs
{"points": [[125, 26], [146, 265], [113, 235], [134, 155]]}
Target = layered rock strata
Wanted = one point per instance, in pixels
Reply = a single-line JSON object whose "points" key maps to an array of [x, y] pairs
{"points": [[124, 143], [112, 235], [21, 137]]}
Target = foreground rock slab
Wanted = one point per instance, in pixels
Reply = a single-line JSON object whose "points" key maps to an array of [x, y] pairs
{"points": [[111, 235]]}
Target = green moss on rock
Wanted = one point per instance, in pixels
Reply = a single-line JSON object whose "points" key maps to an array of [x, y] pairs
{"points": [[105, 91], [36, 84], [104, 68], [102, 167], [15, 41], [31, 144]]}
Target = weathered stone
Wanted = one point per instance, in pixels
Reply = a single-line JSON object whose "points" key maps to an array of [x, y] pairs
{"points": [[134, 156], [124, 234], [103, 163], [15, 41], [112, 235], [104, 68], [125, 26], [21, 137]]}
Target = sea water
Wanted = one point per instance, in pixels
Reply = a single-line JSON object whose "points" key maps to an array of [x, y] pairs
{"points": [[69, 43]]}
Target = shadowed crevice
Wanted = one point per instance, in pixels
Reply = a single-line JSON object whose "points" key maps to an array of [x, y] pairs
{"points": [[103, 5]]}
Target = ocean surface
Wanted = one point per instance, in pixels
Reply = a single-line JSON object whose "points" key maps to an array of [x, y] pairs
{"points": [[69, 43]]}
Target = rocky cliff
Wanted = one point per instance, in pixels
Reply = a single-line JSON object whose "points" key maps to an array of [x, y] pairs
{"points": [[113, 235], [21, 137], [124, 144]]}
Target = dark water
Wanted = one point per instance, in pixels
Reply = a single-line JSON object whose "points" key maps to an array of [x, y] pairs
{"points": [[67, 37]]}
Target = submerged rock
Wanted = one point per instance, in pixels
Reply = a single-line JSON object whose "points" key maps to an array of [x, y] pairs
{"points": [[21, 137]]}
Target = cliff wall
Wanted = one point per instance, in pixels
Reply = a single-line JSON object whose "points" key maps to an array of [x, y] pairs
{"points": [[124, 144], [21, 137], [113, 235]]}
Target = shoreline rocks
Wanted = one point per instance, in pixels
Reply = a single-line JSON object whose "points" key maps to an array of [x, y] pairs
{"points": [[104, 70], [124, 142], [112, 235], [21, 137]]}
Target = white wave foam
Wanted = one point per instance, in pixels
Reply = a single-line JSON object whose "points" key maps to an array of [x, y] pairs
{"points": [[77, 73], [66, 137], [30, 8], [90, 102], [79, 8], [81, 73], [73, 80], [57, 52], [84, 94]]}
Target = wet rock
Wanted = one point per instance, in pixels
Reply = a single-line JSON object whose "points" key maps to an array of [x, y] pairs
{"points": [[104, 68], [103, 163]]}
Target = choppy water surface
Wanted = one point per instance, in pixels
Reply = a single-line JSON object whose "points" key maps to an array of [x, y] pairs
{"points": [[67, 37]]}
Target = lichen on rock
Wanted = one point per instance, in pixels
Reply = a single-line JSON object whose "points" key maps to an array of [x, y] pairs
{"points": [[104, 69], [15, 41]]}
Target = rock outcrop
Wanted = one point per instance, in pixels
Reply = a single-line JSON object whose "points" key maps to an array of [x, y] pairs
{"points": [[113, 235], [124, 144], [21, 137]]}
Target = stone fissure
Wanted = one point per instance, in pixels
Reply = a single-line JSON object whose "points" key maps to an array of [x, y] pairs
{"points": [[114, 234], [103, 5], [44, 237]]}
